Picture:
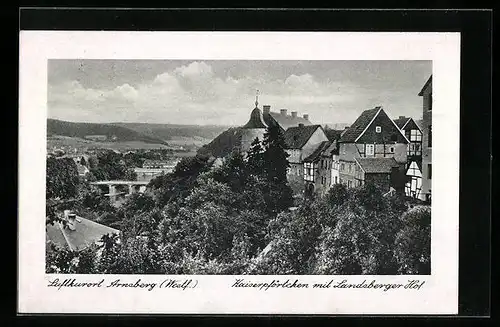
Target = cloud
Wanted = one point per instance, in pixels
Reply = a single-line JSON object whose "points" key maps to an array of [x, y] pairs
{"points": [[195, 70], [194, 94]]}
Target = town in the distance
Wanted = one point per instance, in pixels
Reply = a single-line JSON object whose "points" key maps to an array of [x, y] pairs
{"points": [[90, 184]]}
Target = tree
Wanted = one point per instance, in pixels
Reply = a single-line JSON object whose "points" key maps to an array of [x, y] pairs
{"points": [[233, 172], [177, 185], [92, 162], [61, 260], [62, 178], [413, 242], [255, 158], [337, 195], [111, 166], [278, 194], [361, 241]]}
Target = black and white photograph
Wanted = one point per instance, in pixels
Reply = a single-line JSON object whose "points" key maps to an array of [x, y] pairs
{"points": [[240, 167], [238, 172]]}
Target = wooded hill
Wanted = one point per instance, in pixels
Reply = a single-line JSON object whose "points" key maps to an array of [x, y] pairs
{"points": [[148, 133]]}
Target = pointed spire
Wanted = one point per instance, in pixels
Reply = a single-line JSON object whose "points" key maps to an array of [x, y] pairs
{"points": [[257, 99]]}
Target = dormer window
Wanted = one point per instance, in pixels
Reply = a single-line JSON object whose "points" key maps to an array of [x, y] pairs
{"points": [[378, 129]]}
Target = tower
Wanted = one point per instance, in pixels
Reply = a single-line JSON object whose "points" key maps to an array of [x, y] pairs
{"points": [[255, 127]]}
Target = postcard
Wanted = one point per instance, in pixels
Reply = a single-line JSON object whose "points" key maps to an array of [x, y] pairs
{"points": [[238, 172]]}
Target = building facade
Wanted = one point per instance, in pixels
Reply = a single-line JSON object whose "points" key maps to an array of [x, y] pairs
{"points": [[373, 135], [413, 167], [381, 172], [426, 94], [318, 170], [301, 142]]}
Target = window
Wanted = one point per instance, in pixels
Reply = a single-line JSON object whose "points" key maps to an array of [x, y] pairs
{"points": [[349, 184], [342, 166], [336, 180], [429, 141], [308, 171], [415, 135], [370, 149], [391, 149], [323, 180], [429, 169], [378, 129]]}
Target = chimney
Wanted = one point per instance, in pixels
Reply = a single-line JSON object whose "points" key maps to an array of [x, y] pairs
{"points": [[283, 112], [294, 114], [306, 116], [70, 219], [266, 108], [301, 125], [402, 117]]}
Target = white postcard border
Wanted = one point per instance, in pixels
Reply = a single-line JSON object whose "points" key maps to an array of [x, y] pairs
{"points": [[213, 294]]}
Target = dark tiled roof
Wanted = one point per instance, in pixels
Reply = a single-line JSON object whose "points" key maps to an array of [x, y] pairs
{"points": [[285, 121], [224, 143], [318, 152], [356, 129], [296, 137], [333, 134], [429, 81], [256, 120], [85, 233], [332, 149], [420, 124], [400, 122], [377, 165]]}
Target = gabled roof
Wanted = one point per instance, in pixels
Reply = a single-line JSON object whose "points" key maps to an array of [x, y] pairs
{"points": [[297, 137], [402, 121], [419, 123], [353, 133], [407, 121], [256, 120], [86, 232], [318, 152], [360, 125], [429, 81], [376, 165], [285, 121]]}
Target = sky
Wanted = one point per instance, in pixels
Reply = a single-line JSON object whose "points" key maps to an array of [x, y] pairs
{"points": [[223, 92]]}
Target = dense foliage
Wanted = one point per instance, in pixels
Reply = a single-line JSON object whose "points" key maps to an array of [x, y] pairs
{"points": [[111, 166], [237, 218]]}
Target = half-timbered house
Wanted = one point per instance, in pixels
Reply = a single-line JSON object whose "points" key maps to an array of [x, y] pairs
{"points": [[373, 135]]}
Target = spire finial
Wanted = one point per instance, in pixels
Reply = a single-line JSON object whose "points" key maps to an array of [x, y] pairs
{"points": [[256, 98]]}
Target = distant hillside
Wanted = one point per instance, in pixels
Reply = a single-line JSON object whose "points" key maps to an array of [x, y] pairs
{"points": [[223, 144], [65, 128], [170, 131]]}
